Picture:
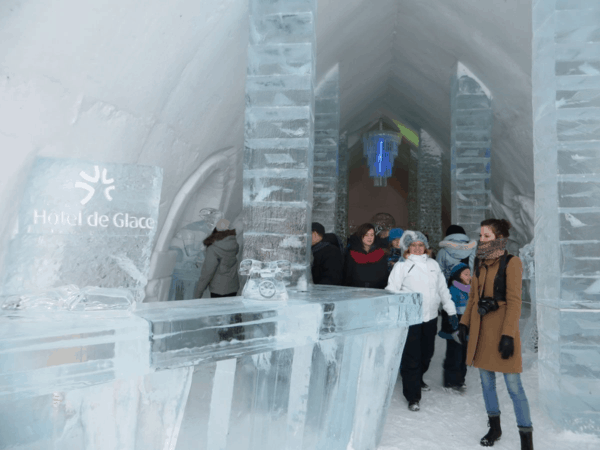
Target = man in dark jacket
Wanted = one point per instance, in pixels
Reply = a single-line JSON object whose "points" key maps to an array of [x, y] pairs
{"points": [[327, 259]]}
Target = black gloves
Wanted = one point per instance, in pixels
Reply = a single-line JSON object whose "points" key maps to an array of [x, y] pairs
{"points": [[506, 346], [453, 321], [463, 333]]}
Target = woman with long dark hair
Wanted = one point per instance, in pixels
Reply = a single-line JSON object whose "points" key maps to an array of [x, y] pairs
{"points": [[491, 321], [365, 265]]}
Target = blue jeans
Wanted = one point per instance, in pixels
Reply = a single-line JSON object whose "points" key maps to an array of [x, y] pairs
{"points": [[517, 394]]}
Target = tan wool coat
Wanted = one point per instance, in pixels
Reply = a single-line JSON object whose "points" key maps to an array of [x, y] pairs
{"points": [[485, 332]]}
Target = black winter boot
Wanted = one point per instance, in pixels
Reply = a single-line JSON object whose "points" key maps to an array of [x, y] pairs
{"points": [[494, 434], [526, 439]]}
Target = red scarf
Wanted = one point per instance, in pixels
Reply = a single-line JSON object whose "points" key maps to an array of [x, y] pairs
{"points": [[367, 258]]}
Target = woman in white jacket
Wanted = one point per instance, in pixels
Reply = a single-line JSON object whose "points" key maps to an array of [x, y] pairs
{"points": [[420, 273]]}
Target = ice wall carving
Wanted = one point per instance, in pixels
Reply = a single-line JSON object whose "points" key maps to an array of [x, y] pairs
{"points": [[279, 138], [84, 223], [470, 140], [429, 186], [326, 169], [567, 208]]}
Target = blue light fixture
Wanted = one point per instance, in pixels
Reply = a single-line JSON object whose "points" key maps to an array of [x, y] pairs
{"points": [[380, 148]]}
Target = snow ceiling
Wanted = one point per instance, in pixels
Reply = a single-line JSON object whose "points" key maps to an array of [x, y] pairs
{"points": [[162, 83]]}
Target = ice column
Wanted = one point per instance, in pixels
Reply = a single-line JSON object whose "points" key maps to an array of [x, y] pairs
{"points": [[471, 136], [279, 139], [327, 129], [341, 214], [413, 189], [566, 111], [429, 188]]}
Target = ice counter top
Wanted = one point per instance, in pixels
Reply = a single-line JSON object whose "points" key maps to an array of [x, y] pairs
{"points": [[208, 373]]}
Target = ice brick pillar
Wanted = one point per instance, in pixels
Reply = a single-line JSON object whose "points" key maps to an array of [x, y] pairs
{"points": [[341, 214], [413, 189], [429, 190], [327, 131], [566, 130], [279, 139], [471, 137], [84, 223]]}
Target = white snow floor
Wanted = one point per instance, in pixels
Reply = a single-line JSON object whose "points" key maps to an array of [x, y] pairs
{"points": [[449, 421]]}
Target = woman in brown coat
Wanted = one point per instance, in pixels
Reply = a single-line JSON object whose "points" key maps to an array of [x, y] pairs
{"points": [[492, 322]]}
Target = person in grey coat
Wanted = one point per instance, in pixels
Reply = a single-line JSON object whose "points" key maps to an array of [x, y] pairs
{"points": [[456, 248], [219, 271]]}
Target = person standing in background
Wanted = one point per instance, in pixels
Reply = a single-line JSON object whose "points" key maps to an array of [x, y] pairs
{"points": [[395, 249], [219, 271], [455, 368], [365, 264], [455, 248], [327, 260]]}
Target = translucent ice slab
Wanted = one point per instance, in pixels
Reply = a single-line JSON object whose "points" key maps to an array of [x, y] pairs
{"points": [[314, 372]]}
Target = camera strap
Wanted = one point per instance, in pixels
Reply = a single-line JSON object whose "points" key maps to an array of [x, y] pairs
{"points": [[499, 292]]}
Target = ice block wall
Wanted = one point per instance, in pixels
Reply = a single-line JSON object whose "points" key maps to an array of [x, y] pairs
{"points": [[470, 140], [316, 372], [566, 93], [413, 190], [341, 213], [429, 181], [279, 137], [84, 223], [327, 131]]}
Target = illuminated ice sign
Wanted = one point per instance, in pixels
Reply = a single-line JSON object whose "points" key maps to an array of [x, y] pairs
{"points": [[84, 223]]}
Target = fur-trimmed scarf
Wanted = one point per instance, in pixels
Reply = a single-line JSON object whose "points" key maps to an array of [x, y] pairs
{"points": [[218, 236], [491, 249]]}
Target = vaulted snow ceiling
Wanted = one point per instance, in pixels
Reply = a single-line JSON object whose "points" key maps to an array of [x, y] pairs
{"points": [[162, 83], [397, 57]]}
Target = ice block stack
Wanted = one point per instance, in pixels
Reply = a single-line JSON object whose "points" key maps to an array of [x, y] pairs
{"points": [[413, 190], [279, 138], [341, 214], [327, 131], [471, 140], [429, 187], [316, 372], [566, 111]]}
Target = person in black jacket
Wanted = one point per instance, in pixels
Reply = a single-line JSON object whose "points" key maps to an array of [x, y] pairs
{"points": [[365, 265], [327, 259]]}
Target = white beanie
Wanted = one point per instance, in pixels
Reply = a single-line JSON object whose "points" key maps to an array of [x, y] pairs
{"points": [[410, 236]]}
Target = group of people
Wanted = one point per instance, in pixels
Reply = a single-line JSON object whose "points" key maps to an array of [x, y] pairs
{"points": [[476, 284]]}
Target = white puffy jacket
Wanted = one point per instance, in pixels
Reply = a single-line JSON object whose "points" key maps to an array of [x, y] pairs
{"points": [[420, 273]]}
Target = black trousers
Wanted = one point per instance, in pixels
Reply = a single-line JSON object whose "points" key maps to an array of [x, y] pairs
{"points": [[231, 332], [455, 367], [418, 351]]}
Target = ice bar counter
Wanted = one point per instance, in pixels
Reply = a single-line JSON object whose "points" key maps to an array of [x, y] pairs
{"points": [[315, 372]]}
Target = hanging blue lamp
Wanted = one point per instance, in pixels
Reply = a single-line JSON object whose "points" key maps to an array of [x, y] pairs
{"points": [[380, 148]]}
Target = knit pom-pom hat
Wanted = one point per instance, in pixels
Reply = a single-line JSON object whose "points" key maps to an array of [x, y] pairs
{"points": [[410, 236]]}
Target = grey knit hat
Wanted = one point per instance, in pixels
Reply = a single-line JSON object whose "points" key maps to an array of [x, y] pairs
{"points": [[410, 236]]}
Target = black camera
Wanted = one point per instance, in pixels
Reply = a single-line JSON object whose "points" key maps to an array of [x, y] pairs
{"points": [[486, 305]]}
